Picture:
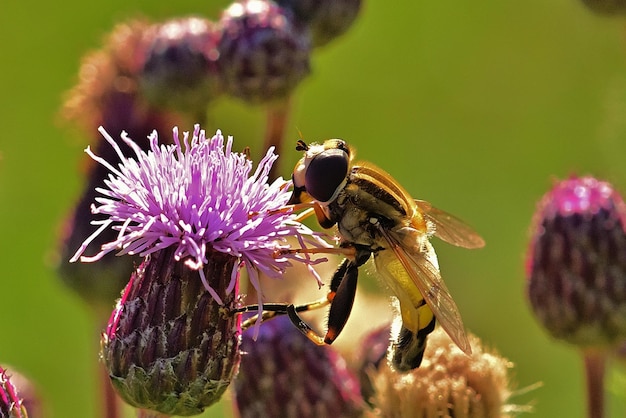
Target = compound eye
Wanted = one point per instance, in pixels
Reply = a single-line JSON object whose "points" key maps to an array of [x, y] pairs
{"points": [[325, 174]]}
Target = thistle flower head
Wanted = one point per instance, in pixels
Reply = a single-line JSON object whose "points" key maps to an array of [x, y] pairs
{"points": [[10, 402], [197, 195], [196, 211], [576, 263]]}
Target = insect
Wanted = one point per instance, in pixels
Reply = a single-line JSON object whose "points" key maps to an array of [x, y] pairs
{"points": [[375, 216]]}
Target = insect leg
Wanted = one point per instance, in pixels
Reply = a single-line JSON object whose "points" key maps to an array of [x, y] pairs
{"points": [[341, 304], [272, 310], [340, 292]]}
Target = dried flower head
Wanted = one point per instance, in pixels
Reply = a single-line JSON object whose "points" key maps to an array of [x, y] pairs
{"points": [[197, 195], [108, 80], [11, 405], [262, 55], [180, 69], [448, 383], [283, 375], [576, 263]]}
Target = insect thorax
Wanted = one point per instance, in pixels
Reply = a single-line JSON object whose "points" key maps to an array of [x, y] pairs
{"points": [[359, 213]]}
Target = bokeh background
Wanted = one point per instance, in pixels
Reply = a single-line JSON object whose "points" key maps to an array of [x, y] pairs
{"points": [[474, 106]]}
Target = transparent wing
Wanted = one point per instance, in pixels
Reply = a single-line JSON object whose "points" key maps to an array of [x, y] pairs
{"points": [[449, 228], [406, 245]]}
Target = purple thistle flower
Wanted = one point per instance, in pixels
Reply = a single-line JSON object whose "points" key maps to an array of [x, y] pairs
{"points": [[195, 195]]}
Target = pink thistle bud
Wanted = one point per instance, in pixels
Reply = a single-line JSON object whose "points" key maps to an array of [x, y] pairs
{"points": [[576, 268], [576, 263]]}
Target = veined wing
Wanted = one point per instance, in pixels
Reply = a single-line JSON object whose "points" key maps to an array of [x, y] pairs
{"points": [[406, 246], [449, 228]]}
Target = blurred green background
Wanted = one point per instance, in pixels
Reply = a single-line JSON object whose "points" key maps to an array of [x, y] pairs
{"points": [[474, 107]]}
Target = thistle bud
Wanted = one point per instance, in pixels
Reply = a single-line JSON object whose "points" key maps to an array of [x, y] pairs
{"points": [[576, 263], [180, 69], [170, 346], [262, 55], [326, 19], [283, 374]]}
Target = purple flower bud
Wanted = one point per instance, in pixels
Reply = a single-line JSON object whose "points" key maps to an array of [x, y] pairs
{"points": [[326, 19], [262, 55], [283, 374], [180, 69], [576, 262], [10, 402]]}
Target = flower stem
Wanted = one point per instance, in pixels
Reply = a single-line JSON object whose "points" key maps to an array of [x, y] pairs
{"points": [[146, 413], [594, 371], [110, 403], [277, 116], [109, 397]]}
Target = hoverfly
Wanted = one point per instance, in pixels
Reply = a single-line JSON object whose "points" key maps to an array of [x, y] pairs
{"points": [[374, 215]]}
